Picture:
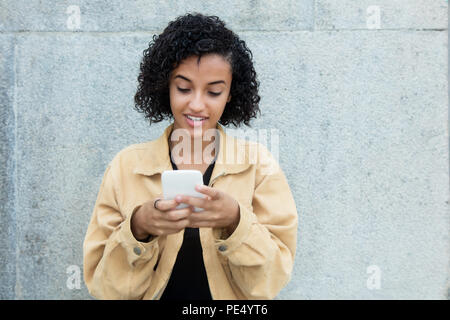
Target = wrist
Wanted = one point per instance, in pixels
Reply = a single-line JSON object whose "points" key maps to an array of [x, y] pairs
{"points": [[233, 225], [138, 233]]}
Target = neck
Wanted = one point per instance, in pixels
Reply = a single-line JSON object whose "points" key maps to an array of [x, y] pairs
{"points": [[195, 150]]}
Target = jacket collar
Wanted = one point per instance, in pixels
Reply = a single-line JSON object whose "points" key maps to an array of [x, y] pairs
{"points": [[156, 155]]}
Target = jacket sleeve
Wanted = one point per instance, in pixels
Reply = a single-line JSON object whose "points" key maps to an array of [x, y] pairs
{"points": [[115, 264], [261, 250]]}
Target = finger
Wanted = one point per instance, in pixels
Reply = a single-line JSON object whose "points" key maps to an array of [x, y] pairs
{"points": [[211, 192], [176, 226], [203, 216], [194, 201], [177, 214], [173, 226], [164, 205]]}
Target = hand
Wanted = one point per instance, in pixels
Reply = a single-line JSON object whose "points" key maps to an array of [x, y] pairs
{"points": [[162, 221], [220, 209]]}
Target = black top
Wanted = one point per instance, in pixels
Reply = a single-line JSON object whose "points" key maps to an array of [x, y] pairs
{"points": [[188, 280]]}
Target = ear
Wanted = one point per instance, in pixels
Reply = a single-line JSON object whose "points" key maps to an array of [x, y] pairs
{"points": [[229, 98]]}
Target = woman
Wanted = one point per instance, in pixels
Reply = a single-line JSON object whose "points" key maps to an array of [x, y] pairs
{"points": [[242, 245]]}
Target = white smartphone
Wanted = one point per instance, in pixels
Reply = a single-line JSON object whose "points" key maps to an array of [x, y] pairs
{"points": [[182, 182]]}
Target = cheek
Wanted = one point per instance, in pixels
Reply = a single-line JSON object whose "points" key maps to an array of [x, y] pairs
{"points": [[220, 106], [217, 113], [176, 101]]}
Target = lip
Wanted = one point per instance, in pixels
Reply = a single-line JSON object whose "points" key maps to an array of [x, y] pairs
{"points": [[193, 115], [192, 123]]}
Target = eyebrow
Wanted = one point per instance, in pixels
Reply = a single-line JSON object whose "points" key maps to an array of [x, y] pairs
{"points": [[213, 82]]}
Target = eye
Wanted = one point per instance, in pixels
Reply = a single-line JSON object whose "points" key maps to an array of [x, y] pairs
{"points": [[185, 90], [182, 90]]}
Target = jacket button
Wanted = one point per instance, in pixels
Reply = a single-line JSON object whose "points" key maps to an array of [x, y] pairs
{"points": [[137, 251], [222, 248]]}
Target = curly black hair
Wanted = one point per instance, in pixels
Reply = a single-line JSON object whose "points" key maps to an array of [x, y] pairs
{"points": [[196, 35]]}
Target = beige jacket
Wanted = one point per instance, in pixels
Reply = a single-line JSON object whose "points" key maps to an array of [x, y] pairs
{"points": [[254, 262]]}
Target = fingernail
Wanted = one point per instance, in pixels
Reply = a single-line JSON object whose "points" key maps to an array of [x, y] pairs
{"points": [[178, 198]]}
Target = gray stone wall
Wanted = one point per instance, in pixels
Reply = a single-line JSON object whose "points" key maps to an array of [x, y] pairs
{"points": [[358, 92]]}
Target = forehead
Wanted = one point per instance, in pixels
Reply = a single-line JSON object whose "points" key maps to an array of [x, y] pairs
{"points": [[209, 66]]}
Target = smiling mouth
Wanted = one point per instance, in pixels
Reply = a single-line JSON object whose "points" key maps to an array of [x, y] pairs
{"points": [[195, 118]]}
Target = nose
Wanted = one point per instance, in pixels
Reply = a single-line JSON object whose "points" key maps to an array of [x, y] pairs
{"points": [[197, 104]]}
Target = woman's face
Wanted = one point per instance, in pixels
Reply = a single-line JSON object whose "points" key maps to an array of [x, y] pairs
{"points": [[199, 90]]}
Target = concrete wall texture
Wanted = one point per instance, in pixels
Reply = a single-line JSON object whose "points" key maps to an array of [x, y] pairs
{"points": [[357, 90]]}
